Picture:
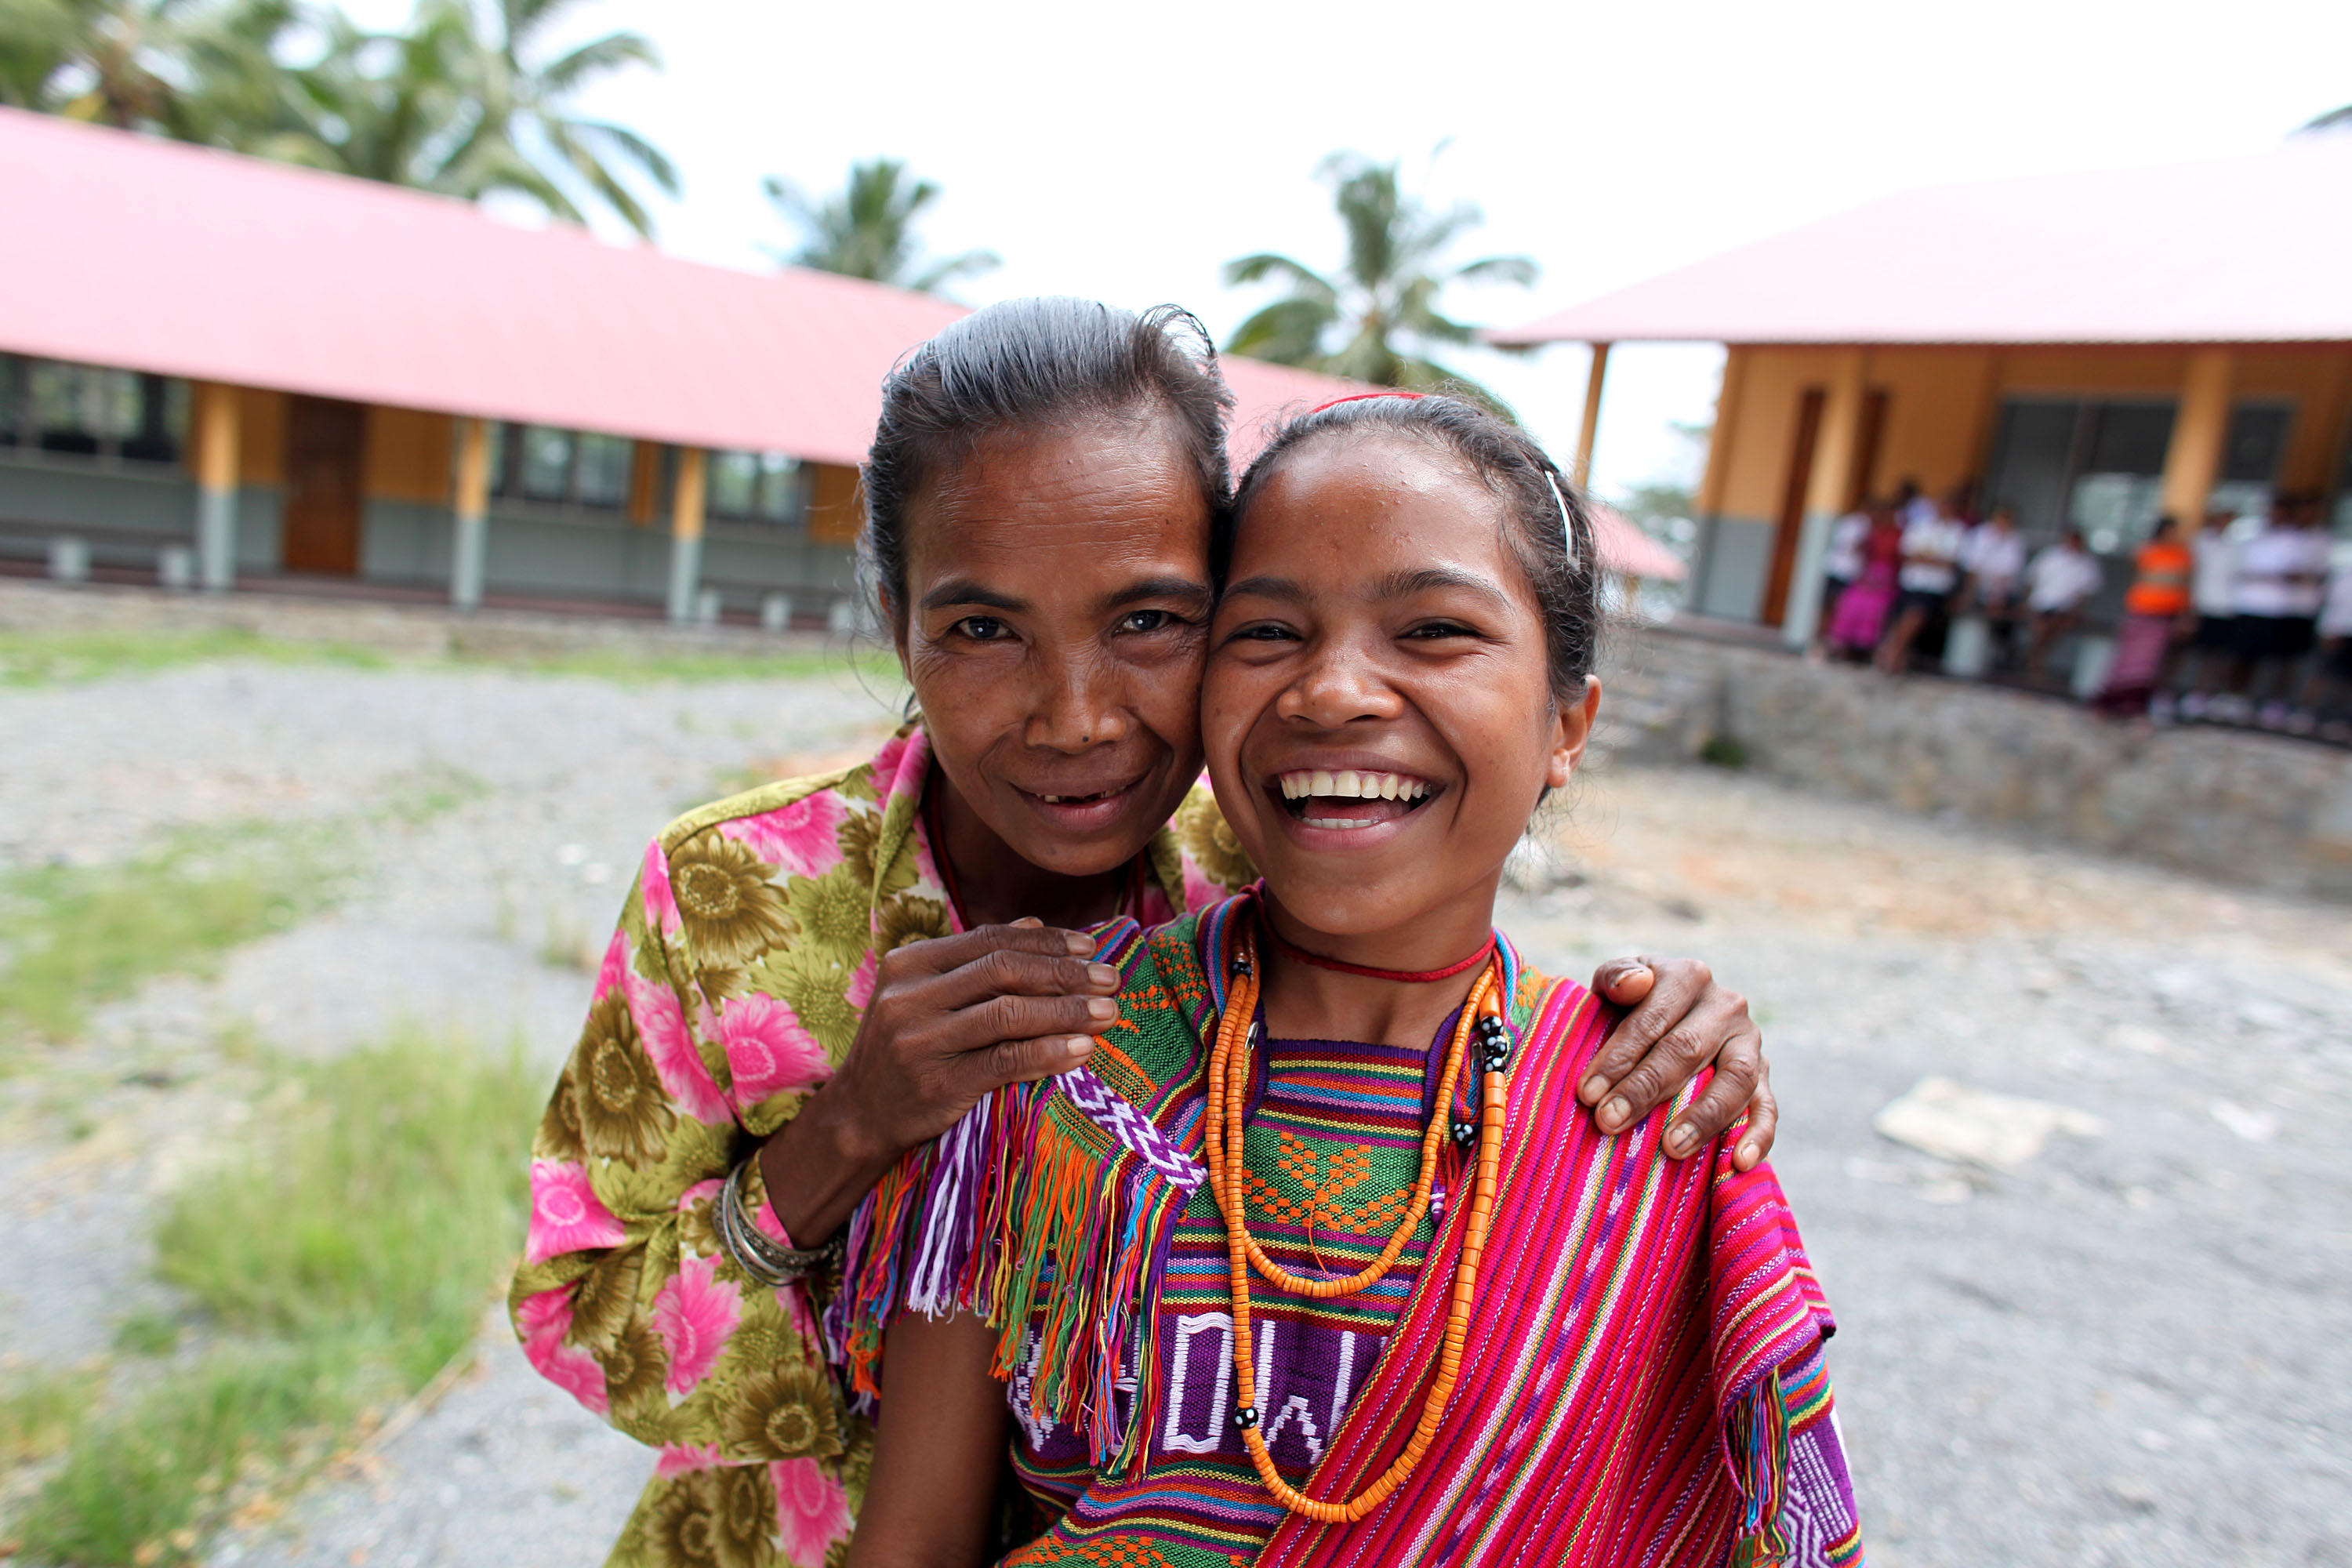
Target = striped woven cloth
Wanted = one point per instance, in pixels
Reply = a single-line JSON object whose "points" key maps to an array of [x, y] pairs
{"points": [[1645, 1381]]}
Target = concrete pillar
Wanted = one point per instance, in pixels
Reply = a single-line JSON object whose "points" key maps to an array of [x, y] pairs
{"points": [[469, 540], [1590, 426], [1829, 491], [2193, 461], [215, 447], [686, 533], [1717, 479]]}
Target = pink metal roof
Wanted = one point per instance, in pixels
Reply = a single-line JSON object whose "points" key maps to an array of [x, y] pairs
{"points": [[2254, 249], [1624, 548], [123, 250]]}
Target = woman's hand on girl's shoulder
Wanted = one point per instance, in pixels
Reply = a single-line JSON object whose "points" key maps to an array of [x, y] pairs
{"points": [[951, 1019], [1680, 1020]]}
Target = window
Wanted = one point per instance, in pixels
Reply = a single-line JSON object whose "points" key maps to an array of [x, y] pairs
{"points": [[2098, 467], [762, 487], [92, 411], [2250, 458], [546, 463], [605, 470]]}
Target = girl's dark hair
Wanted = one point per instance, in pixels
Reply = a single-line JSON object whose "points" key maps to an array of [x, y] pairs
{"points": [[1027, 364], [1549, 522]]}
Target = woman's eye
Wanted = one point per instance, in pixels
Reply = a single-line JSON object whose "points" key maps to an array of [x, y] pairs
{"points": [[981, 628], [1432, 631], [1146, 621], [1262, 631]]}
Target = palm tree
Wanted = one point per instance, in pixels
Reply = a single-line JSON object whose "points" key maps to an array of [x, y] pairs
{"points": [[194, 71], [868, 229], [444, 106], [1377, 317]]}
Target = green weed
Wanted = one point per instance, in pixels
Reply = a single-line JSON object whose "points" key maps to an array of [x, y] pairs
{"points": [[147, 1332], [40, 1412], [57, 658], [345, 1252], [79, 935]]}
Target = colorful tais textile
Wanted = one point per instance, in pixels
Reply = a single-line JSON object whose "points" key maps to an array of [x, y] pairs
{"points": [[1645, 1384], [745, 955]]}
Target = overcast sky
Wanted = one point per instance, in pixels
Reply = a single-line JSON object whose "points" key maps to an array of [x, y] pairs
{"points": [[1127, 151]]}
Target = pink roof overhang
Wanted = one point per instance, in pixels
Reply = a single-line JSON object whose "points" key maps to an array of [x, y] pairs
{"points": [[2240, 250], [126, 251]]}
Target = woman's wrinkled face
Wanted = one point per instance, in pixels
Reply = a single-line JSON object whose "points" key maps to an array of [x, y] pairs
{"points": [[1377, 709], [1057, 604]]}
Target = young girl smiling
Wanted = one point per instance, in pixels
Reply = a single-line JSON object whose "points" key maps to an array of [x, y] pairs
{"points": [[1319, 1259]]}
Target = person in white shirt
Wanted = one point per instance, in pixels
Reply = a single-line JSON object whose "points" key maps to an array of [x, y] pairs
{"points": [[2213, 595], [2325, 692], [2282, 583], [1993, 560], [1930, 571], [2062, 578]]}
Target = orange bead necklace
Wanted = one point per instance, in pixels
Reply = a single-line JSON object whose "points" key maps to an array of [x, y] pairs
{"points": [[1229, 1075]]}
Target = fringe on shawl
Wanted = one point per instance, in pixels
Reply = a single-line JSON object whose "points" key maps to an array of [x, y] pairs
{"points": [[1019, 1215], [1756, 1438]]}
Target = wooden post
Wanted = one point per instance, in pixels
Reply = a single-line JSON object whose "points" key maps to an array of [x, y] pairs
{"points": [[645, 482], [686, 533], [1828, 491], [470, 537], [2193, 461], [1590, 424], [215, 449]]}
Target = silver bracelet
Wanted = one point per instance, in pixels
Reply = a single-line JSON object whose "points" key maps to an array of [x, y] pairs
{"points": [[760, 1256]]}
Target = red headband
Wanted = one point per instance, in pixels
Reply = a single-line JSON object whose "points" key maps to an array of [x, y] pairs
{"points": [[1359, 397]]}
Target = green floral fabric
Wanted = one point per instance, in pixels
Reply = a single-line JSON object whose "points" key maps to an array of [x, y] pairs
{"points": [[744, 958]]}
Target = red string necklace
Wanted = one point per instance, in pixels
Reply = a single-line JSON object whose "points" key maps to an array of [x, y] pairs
{"points": [[1420, 976]]}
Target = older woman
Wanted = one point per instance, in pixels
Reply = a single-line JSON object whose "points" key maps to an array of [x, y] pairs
{"points": [[812, 978]]}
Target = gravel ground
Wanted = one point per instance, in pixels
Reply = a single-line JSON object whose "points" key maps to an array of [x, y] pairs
{"points": [[2133, 1350]]}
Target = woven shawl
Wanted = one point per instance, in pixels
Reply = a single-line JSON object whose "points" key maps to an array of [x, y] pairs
{"points": [[1633, 1315]]}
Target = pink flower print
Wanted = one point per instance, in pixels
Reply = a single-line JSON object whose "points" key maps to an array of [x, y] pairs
{"points": [[571, 1369], [615, 967], [794, 1298], [1199, 891], [768, 1050], [652, 884], [693, 1314], [811, 1510], [565, 1214], [900, 763], [546, 1316], [661, 1025], [677, 1458], [799, 839], [698, 1192], [860, 989]]}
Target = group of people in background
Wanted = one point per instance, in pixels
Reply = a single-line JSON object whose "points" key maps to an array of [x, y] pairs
{"points": [[1913, 570], [2243, 622]]}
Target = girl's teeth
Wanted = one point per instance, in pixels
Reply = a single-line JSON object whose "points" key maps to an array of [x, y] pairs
{"points": [[1347, 784]]}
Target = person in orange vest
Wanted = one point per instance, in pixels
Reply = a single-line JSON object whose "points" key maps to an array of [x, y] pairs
{"points": [[2155, 617]]}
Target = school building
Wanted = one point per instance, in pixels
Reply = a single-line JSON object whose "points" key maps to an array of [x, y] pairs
{"points": [[218, 372], [2095, 350]]}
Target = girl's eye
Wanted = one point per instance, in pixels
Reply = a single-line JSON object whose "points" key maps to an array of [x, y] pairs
{"points": [[981, 628], [1262, 631], [1432, 631]]}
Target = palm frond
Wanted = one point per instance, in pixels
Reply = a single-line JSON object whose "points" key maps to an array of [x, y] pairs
{"points": [[1265, 264], [2333, 119], [1289, 332]]}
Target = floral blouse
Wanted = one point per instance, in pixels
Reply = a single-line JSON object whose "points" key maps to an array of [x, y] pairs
{"points": [[745, 955]]}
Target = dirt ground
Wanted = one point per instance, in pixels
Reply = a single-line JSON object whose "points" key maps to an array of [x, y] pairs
{"points": [[2133, 1349]]}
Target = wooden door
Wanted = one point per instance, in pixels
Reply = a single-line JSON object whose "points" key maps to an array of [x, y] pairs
{"points": [[1792, 505], [324, 440]]}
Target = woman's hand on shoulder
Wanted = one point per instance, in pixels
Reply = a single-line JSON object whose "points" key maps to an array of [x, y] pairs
{"points": [[949, 1019], [1680, 1020], [956, 1016]]}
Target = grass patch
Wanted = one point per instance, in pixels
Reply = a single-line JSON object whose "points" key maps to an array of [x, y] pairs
{"points": [[345, 1252], [74, 936], [1724, 751], [147, 1332], [62, 658], [40, 1412]]}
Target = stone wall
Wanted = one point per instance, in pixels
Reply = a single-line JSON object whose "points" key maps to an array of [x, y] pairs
{"points": [[2245, 808]]}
